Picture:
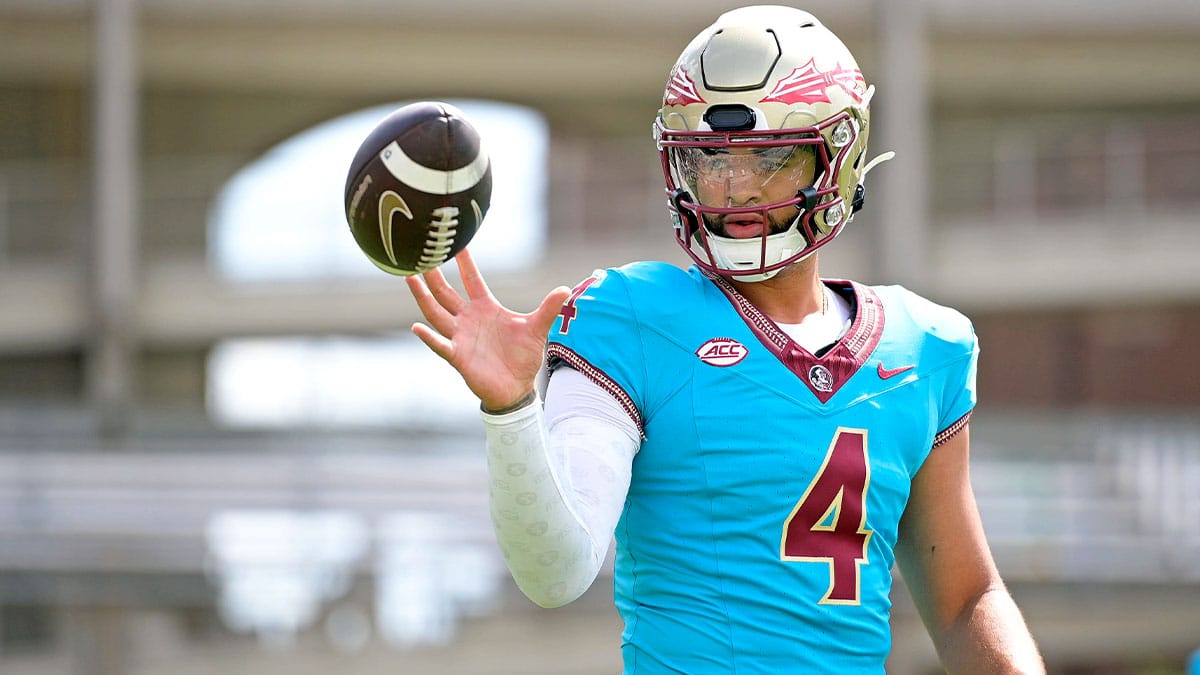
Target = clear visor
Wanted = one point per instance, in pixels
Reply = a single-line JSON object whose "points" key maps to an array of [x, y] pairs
{"points": [[729, 175]]}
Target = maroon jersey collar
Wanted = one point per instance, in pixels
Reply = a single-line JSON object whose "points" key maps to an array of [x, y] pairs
{"points": [[824, 375]]}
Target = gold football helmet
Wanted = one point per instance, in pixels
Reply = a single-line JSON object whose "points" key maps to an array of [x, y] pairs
{"points": [[762, 133]]}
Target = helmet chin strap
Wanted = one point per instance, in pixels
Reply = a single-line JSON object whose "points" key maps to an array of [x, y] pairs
{"points": [[763, 276], [728, 250]]}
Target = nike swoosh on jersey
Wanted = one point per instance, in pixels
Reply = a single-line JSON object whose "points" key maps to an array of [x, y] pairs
{"points": [[886, 373]]}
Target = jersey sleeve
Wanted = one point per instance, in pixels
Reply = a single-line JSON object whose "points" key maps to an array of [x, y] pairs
{"points": [[957, 349], [598, 334], [949, 356], [958, 393]]}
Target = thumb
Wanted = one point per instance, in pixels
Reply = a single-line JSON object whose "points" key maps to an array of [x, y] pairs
{"points": [[543, 317]]}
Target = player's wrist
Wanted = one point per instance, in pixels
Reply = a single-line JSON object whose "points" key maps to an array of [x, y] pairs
{"points": [[522, 402]]}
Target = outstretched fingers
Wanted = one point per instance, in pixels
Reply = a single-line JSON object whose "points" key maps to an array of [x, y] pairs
{"points": [[472, 280], [444, 292], [440, 345], [431, 307]]}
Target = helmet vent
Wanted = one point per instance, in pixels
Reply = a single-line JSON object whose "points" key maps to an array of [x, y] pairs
{"points": [[739, 58]]}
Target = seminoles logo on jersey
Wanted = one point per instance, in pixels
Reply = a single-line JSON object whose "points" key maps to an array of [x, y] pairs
{"points": [[722, 352], [681, 90], [820, 378], [806, 84]]}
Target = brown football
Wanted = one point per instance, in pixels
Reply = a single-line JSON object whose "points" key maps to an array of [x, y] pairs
{"points": [[418, 188]]}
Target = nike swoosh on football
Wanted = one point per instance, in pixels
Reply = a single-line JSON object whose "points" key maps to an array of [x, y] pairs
{"points": [[885, 373]]}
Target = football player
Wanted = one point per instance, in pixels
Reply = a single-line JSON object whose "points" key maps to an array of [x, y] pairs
{"points": [[763, 443]]}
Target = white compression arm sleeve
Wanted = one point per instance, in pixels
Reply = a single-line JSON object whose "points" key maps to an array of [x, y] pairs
{"points": [[559, 479]]}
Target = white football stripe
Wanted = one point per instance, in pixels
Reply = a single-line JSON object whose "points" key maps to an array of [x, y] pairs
{"points": [[433, 181]]}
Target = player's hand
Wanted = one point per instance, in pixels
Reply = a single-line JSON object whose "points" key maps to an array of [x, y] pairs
{"points": [[497, 351]]}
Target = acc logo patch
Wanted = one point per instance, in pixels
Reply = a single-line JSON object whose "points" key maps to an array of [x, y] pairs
{"points": [[722, 352]]}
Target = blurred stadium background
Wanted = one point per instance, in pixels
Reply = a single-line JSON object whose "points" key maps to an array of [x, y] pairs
{"points": [[219, 453]]}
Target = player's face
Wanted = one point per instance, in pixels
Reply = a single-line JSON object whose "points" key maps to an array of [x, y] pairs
{"points": [[751, 178]]}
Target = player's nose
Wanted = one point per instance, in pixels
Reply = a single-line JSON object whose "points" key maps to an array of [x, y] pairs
{"points": [[742, 189]]}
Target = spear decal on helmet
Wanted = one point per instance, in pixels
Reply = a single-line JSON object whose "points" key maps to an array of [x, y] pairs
{"points": [[681, 90], [806, 84]]}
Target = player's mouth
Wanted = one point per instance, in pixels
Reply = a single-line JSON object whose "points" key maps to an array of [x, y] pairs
{"points": [[742, 228]]}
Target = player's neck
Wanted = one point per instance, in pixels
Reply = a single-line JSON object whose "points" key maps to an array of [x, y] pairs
{"points": [[790, 296]]}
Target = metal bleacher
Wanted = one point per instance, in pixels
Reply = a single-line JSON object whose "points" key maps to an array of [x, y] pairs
{"points": [[1094, 522], [1089, 497], [1079, 497]]}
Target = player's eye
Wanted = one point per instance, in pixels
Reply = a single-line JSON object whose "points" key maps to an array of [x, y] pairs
{"points": [[714, 163]]}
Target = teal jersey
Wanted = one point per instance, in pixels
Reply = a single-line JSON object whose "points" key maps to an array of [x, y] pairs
{"points": [[762, 515]]}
